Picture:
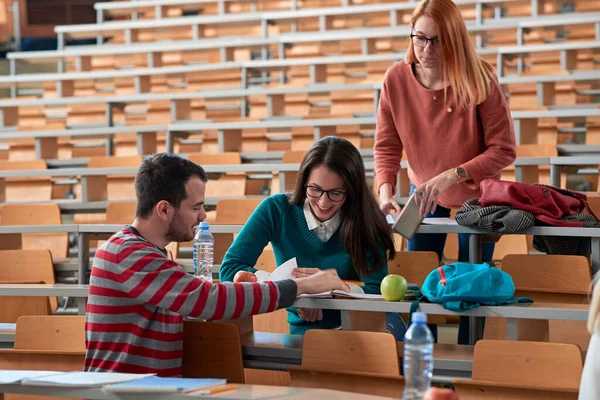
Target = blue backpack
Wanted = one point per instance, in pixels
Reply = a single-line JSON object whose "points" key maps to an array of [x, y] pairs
{"points": [[462, 286]]}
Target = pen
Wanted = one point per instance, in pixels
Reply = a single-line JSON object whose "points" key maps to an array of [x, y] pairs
{"points": [[220, 389]]}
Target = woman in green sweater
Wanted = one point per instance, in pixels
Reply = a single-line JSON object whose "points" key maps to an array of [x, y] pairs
{"points": [[330, 221]]}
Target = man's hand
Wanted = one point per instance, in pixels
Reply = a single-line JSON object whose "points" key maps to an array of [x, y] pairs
{"points": [[310, 314], [306, 272], [321, 281]]}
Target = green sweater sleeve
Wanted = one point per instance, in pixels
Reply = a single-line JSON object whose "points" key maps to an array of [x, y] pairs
{"points": [[252, 239]]}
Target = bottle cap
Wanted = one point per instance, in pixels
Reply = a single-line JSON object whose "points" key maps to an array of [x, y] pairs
{"points": [[204, 225], [419, 317]]}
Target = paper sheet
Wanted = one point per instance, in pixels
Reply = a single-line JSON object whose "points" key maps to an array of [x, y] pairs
{"points": [[84, 379], [439, 221], [11, 376], [284, 271]]}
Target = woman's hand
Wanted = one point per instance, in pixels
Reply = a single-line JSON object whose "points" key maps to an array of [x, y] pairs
{"points": [[429, 192], [244, 276], [310, 314], [386, 200], [306, 272]]}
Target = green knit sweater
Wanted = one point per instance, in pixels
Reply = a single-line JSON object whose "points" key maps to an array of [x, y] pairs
{"points": [[284, 225]]}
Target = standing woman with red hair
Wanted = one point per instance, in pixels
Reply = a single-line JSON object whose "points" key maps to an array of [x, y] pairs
{"points": [[444, 107]]}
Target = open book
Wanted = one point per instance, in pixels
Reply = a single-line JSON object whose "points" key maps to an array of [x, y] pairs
{"points": [[411, 294], [339, 293]]}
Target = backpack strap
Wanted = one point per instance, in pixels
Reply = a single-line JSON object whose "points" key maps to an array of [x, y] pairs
{"points": [[414, 306]]}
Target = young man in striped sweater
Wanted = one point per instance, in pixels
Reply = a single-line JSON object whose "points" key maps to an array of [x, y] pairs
{"points": [[138, 297]]}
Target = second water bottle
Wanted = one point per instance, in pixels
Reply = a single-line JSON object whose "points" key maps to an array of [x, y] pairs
{"points": [[203, 255], [418, 358]]}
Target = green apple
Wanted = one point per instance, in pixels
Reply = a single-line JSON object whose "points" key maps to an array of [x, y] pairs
{"points": [[393, 287]]}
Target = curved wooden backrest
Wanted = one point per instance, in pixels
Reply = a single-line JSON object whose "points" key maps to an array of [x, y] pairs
{"points": [[216, 158], [594, 202], [13, 307], [120, 212], [30, 214], [212, 350], [266, 261], [114, 161], [112, 187], [510, 244], [53, 332], [549, 273], [347, 381], [414, 266], [28, 266], [373, 352], [34, 188], [552, 279], [36, 214], [547, 365], [235, 211]]}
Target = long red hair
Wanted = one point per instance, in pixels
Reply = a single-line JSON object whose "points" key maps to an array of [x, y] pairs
{"points": [[464, 71]]}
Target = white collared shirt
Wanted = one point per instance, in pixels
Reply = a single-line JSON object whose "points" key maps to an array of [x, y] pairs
{"points": [[324, 230]]}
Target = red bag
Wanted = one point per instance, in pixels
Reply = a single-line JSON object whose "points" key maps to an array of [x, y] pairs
{"points": [[547, 203]]}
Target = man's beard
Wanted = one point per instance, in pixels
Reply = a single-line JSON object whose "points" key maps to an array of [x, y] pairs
{"points": [[178, 231]]}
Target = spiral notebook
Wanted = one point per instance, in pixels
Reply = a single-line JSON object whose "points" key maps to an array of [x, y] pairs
{"points": [[155, 384]]}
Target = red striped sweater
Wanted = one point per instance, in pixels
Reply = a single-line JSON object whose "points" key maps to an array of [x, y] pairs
{"points": [[138, 298]]}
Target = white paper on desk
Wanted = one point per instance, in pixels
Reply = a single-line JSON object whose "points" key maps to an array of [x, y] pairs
{"points": [[439, 221], [83, 379], [11, 376], [284, 271]]}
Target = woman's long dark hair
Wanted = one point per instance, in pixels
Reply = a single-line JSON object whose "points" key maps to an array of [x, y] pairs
{"points": [[365, 233]]}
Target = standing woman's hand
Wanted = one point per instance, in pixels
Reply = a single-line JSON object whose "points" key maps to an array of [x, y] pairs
{"points": [[429, 192], [386, 200]]}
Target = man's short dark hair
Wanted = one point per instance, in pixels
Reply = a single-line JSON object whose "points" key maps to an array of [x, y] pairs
{"points": [[163, 177]]}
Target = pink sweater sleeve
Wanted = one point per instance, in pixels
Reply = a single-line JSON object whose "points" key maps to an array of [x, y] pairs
{"points": [[499, 138], [388, 147]]}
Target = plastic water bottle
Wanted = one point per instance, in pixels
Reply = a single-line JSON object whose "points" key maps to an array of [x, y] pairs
{"points": [[204, 245], [418, 358]]}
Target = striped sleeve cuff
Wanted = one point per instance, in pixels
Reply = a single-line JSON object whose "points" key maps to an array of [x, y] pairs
{"points": [[287, 292]]}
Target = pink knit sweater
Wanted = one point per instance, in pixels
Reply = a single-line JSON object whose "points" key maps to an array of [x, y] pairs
{"points": [[412, 118]]}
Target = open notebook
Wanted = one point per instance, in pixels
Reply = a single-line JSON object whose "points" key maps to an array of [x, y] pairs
{"points": [[411, 294], [284, 271]]}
